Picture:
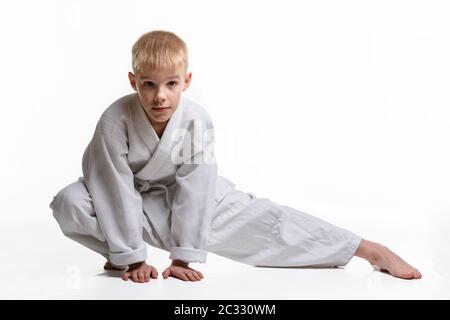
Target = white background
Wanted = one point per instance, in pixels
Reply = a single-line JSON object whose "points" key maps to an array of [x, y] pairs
{"points": [[336, 108]]}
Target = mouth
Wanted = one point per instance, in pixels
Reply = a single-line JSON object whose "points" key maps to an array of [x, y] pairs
{"points": [[161, 109]]}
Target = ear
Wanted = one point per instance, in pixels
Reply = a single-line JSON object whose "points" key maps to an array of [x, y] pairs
{"points": [[187, 80], [132, 81]]}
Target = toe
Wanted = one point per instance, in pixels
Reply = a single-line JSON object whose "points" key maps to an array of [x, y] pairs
{"points": [[417, 274], [408, 274]]}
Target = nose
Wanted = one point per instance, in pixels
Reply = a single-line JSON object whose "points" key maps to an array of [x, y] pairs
{"points": [[159, 96]]}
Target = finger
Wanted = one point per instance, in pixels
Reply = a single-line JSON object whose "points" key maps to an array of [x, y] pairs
{"points": [[141, 276], [154, 273], [134, 277], [197, 276], [147, 275], [200, 274], [126, 276], [190, 276], [166, 273], [182, 276]]}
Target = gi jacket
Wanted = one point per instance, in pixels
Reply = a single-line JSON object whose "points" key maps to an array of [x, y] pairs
{"points": [[132, 175]]}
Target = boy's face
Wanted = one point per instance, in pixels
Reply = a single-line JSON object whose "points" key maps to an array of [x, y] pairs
{"points": [[159, 92]]}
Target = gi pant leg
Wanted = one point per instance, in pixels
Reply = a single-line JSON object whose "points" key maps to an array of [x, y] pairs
{"points": [[73, 209], [259, 232]]}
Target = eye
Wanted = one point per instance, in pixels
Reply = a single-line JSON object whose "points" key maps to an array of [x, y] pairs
{"points": [[148, 84], [173, 83]]}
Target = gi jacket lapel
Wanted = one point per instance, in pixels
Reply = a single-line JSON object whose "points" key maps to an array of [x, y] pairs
{"points": [[160, 148]]}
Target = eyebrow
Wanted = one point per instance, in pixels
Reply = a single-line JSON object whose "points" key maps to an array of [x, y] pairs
{"points": [[172, 77]]}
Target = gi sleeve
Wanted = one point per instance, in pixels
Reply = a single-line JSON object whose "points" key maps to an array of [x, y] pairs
{"points": [[110, 182], [193, 205]]}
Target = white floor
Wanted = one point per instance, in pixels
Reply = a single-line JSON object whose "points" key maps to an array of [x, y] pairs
{"points": [[38, 262]]}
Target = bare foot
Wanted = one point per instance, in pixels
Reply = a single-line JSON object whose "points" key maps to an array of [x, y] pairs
{"points": [[109, 266], [383, 259]]}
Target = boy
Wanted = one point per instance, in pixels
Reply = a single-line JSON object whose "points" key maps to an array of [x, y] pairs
{"points": [[149, 176]]}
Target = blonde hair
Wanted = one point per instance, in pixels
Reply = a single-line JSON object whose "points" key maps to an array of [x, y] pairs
{"points": [[159, 50]]}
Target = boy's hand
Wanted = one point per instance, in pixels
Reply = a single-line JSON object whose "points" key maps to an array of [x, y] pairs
{"points": [[140, 272], [179, 269]]}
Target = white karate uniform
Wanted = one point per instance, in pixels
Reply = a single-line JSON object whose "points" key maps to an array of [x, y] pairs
{"points": [[137, 188]]}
